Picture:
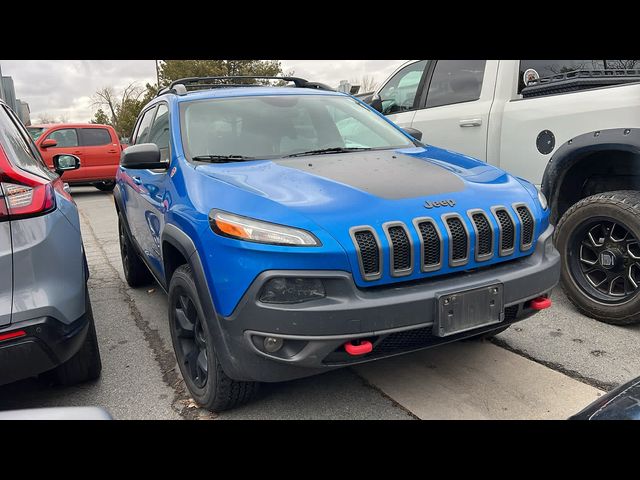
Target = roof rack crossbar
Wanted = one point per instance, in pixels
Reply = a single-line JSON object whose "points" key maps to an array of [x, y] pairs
{"points": [[179, 86]]}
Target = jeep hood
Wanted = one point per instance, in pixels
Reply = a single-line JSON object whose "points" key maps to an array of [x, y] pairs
{"points": [[373, 186]]}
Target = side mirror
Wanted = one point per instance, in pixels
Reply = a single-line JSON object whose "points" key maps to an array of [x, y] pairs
{"points": [[143, 156], [65, 162], [49, 142], [417, 134], [376, 102]]}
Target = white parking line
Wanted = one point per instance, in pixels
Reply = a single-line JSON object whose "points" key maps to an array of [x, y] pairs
{"points": [[477, 380]]}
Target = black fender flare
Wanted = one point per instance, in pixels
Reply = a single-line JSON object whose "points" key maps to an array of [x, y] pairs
{"points": [[184, 244], [572, 151]]}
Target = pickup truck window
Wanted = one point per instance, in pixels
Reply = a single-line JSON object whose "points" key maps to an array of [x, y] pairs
{"points": [[455, 81], [399, 94], [546, 68], [92, 137], [66, 137]]}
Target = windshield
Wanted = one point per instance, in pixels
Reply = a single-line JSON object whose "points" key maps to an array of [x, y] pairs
{"points": [[277, 126], [35, 132]]}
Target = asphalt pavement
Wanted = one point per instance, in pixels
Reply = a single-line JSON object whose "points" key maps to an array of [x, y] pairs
{"points": [[548, 366]]}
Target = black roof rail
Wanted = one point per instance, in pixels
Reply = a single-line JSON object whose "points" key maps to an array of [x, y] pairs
{"points": [[182, 85]]}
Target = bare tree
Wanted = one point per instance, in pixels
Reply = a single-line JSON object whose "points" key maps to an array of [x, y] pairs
{"points": [[367, 84], [46, 117], [117, 104]]}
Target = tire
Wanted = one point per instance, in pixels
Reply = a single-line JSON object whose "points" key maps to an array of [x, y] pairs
{"points": [[105, 186], [135, 271], [487, 335], [193, 345], [86, 364], [616, 301]]}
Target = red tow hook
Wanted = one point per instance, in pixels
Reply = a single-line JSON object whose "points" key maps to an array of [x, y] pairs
{"points": [[540, 303], [362, 348]]}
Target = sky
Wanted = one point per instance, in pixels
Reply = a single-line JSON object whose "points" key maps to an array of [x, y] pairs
{"points": [[63, 88]]}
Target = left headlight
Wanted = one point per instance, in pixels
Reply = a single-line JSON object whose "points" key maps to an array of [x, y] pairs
{"points": [[543, 200], [251, 230]]}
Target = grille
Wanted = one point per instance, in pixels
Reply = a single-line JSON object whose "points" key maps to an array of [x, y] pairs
{"points": [[507, 230], [401, 248], [459, 240], [526, 233], [430, 244], [407, 340], [484, 241], [369, 252]]}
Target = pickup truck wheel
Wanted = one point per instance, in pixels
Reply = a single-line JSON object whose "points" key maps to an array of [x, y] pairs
{"points": [[105, 186], [135, 271], [193, 344], [86, 364], [598, 239]]}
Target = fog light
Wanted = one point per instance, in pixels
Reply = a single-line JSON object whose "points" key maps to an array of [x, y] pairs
{"points": [[273, 344], [292, 290]]}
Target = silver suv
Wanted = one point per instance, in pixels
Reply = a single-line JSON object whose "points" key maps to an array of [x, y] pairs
{"points": [[46, 323]]}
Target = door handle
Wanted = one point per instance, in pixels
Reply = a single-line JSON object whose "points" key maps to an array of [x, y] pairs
{"points": [[77, 153], [112, 151], [471, 122], [137, 180]]}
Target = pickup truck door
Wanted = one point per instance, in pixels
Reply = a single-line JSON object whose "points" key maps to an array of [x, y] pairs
{"points": [[101, 153], [400, 95], [152, 200], [68, 142], [455, 104]]}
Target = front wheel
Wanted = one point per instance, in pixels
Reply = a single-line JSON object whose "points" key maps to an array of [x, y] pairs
{"points": [[193, 344], [598, 240]]}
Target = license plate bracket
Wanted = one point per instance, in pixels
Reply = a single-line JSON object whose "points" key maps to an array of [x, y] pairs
{"points": [[469, 309]]}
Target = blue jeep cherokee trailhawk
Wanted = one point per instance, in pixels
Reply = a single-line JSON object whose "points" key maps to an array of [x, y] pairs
{"points": [[297, 230]]}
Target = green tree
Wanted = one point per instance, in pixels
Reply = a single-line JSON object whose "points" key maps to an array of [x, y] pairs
{"points": [[100, 117], [119, 109], [170, 70]]}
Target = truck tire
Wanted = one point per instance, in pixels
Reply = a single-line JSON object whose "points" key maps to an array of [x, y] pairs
{"points": [[207, 382], [598, 239], [86, 364], [105, 186], [135, 271]]}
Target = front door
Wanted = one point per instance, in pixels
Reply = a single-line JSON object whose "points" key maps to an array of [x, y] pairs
{"points": [[67, 142], [455, 106], [101, 153]]}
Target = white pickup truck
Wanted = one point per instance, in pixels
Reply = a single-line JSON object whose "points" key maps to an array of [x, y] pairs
{"points": [[570, 126]]}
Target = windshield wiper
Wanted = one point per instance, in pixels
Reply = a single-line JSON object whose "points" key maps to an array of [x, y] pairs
{"points": [[221, 158], [328, 150]]}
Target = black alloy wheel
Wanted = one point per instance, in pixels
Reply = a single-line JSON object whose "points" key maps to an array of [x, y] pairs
{"points": [[191, 347]]}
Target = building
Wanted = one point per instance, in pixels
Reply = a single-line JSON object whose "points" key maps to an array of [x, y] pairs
{"points": [[8, 94]]}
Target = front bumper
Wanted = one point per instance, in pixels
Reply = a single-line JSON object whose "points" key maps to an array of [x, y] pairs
{"points": [[47, 344], [396, 318]]}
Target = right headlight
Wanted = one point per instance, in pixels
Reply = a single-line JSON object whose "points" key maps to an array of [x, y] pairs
{"points": [[249, 229], [542, 199]]}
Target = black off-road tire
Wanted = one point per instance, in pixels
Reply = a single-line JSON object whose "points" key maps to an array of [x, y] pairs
{"points": [[135, 271], [105, 186], [220, 392], [622, 206], [86, 364]]}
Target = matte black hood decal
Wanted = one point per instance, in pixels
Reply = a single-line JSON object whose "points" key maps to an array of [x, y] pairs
{"points": [[383, 173]]}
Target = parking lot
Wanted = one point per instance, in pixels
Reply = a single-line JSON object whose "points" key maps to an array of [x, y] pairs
{"points": [[546, 367]]}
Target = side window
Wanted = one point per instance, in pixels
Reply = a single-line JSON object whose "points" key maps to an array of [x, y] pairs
{"points": [[19, 147], [67, 137], [93, 137], [455, 81], [399, 94], [159, 133], [532, 69], [143, 127]]}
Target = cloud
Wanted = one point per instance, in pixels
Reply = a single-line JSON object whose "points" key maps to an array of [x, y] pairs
{"points": [[65, 87]]}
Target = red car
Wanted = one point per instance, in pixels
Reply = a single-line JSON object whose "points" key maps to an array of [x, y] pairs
{"points": [[97, 146]]}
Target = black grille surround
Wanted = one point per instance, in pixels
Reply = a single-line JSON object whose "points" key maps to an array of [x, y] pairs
{"points": [[400, 248], [431, 244], [368, 244], [458, 236], [484, 234], [507, 230], [527, 225], [492, 233]]}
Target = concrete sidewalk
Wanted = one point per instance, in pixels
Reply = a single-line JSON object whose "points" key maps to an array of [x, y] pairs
{"points": [[477, 380]]}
